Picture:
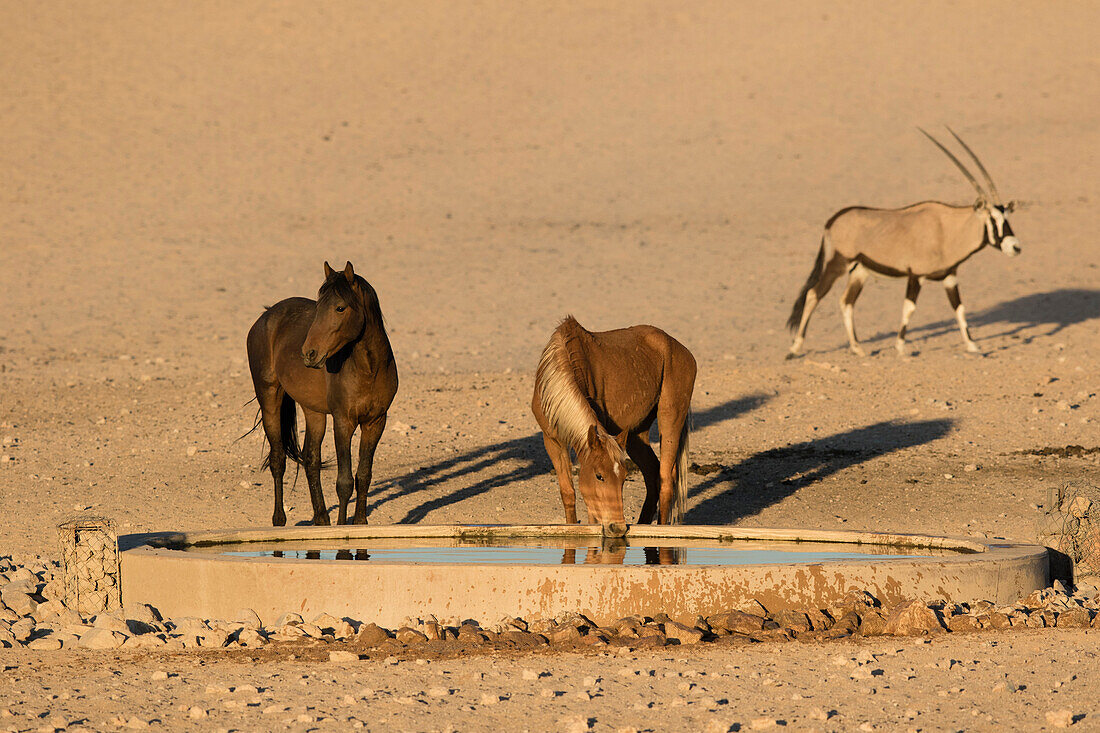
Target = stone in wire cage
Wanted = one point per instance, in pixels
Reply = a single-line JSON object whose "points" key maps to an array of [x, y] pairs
{"points": [[1071, 525], [90, 564]]}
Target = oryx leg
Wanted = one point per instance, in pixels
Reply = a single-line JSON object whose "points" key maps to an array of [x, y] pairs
{"points": [[834, 269], [856, 277], [951, 285], [912, 290]]}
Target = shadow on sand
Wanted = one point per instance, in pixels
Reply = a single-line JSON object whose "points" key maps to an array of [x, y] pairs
{"points": [[772, 475], [526, 456], [1028, 317]]}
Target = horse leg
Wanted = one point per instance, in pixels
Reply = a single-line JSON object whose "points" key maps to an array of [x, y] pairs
{"points": [[342, 429], [639, 450], [315, 433], [672, 414], [559, 456], [270, 398], [370, 434]]}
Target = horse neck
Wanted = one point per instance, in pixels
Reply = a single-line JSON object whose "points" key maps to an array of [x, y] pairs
{"points": [[371, 347]]}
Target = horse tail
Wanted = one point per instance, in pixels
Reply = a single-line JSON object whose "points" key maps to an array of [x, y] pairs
{"points": [[679, 501], [288, 432], [815, 276]]}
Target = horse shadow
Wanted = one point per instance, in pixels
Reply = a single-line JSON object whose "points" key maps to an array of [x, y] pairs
{"points": [[765, 478], [1026, 317], [526, 456]]}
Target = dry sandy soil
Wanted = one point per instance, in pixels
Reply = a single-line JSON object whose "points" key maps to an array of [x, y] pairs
{"points": [[172, 167]]}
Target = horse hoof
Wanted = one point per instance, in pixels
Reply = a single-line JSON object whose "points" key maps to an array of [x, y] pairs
{"points": [[279, 520], [321, 520]]}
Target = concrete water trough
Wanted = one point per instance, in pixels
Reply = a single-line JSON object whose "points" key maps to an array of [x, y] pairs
{"points": [[387, 573]]}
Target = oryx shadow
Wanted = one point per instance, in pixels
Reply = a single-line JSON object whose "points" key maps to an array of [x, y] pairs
{"points": [[525, 458], [1026, 317], [770, 476]]}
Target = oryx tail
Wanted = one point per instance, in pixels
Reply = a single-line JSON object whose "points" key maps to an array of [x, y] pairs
{"points": [[815, 277]]}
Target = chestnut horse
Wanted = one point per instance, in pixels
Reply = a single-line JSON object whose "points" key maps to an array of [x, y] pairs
{"points": [[598, 393], [332, 357]]}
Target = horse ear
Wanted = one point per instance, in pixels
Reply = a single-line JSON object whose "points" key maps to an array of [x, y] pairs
{"points": [[349, 273], [328, 270], [593, 438], [621, 440]]}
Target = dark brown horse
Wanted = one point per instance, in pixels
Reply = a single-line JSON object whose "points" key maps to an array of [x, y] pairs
{"points": [[598, 393], [332, 357]]}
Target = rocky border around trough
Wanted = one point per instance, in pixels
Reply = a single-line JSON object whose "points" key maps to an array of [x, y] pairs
{"points": [[33, 616]]}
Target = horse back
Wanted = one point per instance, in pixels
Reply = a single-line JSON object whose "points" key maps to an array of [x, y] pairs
{"points": [[632, 368]]}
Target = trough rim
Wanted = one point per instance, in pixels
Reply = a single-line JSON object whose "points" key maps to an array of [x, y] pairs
{"points": [[969, 549]]}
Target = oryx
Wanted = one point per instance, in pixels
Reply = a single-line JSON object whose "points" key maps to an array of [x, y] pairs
{"points": [[925, 241]]}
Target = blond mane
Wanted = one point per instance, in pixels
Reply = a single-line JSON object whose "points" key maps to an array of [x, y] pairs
{"points": [[563, 404]]}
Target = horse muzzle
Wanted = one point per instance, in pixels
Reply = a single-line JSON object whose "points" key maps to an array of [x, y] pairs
{"points": [[312, 359], [614, 529], [1010, 246]]}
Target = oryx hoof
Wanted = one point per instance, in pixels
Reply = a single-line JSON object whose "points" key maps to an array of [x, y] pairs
{"points": [[973, 348], [858, 351]]}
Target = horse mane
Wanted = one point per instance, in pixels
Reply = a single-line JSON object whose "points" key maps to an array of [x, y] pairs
{"points": [[557, 383], [339, 285]]}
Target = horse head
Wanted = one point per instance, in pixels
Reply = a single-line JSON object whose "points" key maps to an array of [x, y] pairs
{"points": [[601, 473], [339, 318]]}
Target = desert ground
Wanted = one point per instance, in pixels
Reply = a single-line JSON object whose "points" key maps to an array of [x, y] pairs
{"points": [[170, 168]]}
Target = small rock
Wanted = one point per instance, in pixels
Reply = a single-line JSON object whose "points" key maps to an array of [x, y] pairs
{"points": [[136, 724], [1060, 718], [682, 633], [14, 597], [971, 467], [111, 623], [739, 622], [912, 619], [196, 713], [564, 634], [101, 639], [342, 657], [372, 635], [250, 638], [45, 643], [762, 723]]}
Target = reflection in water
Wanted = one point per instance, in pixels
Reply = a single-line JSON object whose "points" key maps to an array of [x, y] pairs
{"points": [[616, 555], [589, 551]]}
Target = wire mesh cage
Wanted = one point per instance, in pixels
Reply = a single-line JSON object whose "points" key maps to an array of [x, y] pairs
{"points": [[90, 564], [1071, 525]]}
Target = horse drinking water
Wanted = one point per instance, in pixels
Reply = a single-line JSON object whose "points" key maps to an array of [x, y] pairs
{"points": [[599, 393], [332, 357]]}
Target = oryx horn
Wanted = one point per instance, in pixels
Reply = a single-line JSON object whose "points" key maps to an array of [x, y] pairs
{"points": [[988, 178], [956, 161]]}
